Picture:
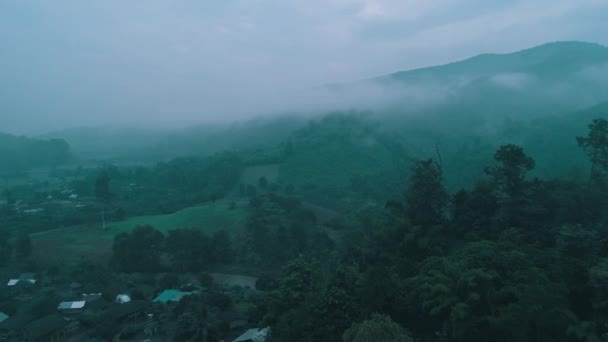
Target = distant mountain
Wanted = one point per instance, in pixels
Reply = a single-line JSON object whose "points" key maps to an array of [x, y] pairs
{"points": [[552, 60], [482, 92], [102, 143], [19, 154], [122, 144]]}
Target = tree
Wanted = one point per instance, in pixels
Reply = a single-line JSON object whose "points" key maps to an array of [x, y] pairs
{"points": [[380, 328], [221, 247], [510, 174], [138, 251], [189, 249], [595, 144], [472, 212], [23, 246], [263, 182], [296, 281], [509, 181], [426, 198]]}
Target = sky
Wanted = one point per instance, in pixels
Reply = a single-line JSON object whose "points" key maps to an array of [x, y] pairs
{"points": [[70, 63]]}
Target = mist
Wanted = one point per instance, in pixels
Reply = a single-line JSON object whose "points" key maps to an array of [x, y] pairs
{"points": [[161, 64]]}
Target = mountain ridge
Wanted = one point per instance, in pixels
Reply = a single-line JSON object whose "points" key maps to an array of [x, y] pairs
{"points": [[542, 52]]}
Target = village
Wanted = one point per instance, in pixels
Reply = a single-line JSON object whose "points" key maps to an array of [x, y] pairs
{"points": [[128, 316]]}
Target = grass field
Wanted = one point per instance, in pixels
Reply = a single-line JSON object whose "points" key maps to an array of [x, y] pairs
{"points": [[208, 218], [72, 244]]}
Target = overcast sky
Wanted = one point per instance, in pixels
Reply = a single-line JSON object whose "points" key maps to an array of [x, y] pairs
{"points": [[85, 62]]}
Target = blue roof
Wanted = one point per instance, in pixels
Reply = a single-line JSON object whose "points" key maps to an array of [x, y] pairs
{"points": [[166, 296]]}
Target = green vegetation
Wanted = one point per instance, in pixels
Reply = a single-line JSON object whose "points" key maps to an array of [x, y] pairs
{"points": [[72, 244], [208, 218], [20, 154]]}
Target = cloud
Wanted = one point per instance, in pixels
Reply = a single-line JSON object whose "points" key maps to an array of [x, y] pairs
{"points": [[71, 62], [516, 80]]}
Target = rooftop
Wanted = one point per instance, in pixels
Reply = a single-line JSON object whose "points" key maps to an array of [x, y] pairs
{"points": [[171, 295], [29, 277], [253, 335], [71, 305]]}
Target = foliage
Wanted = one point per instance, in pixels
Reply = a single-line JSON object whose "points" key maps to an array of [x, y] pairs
{"points": [[425, 197], [595, 145], [510, 174], [138, 251], [379, 328], [23, 246]]}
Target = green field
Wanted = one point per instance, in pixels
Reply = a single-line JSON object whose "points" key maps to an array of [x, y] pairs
{"points": [[95, 244], [208, 218]]}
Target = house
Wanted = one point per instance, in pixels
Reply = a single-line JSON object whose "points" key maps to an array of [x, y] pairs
{"points": [[71, 307], [23, 278], [171, 295], [254, 335], [51, 328]]}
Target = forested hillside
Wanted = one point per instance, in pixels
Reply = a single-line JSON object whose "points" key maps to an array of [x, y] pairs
{"points": [[18, 154]]}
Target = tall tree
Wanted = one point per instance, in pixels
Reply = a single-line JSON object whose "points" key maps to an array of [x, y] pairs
{"points": [[426, 198], [595, 144], [510, 174]]}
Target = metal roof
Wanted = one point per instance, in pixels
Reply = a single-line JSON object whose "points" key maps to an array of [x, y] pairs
{"points": [[71, 305], [253, 335], [171, 295]]}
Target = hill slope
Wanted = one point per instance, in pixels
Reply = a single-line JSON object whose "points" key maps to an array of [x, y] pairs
{"points": [[18, 154]]}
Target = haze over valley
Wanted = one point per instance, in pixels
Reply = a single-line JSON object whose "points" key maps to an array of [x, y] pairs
{"points": [[343, 170]]}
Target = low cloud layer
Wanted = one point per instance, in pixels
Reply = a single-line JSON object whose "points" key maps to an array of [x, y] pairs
{"points": [[70, 63]]}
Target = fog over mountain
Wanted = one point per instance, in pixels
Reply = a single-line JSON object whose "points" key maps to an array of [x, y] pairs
{"points": [[479, 96], [166, 64]]}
